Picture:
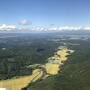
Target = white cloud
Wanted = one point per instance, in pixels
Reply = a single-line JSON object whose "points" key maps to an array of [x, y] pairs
{"points": [[5, 27], [38, 28], [52, 29], [61, 28], [24, 22], [70, 28], [86, 28]]}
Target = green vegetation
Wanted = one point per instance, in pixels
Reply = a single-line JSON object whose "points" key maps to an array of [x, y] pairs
{"points": [[18, 52], [75, 74]]}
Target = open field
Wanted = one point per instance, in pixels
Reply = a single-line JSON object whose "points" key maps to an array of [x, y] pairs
{"points": [[51, 69], [21, 54]]}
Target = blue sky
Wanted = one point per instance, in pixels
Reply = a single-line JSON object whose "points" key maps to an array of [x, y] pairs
{"points": [[45, 12]]}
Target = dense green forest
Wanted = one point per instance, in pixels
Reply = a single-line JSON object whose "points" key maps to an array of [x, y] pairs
{"points": [[74, 74], [17, 51]]}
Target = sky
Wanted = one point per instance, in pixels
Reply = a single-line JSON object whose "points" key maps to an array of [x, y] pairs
{"points": [[45, 12]]}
